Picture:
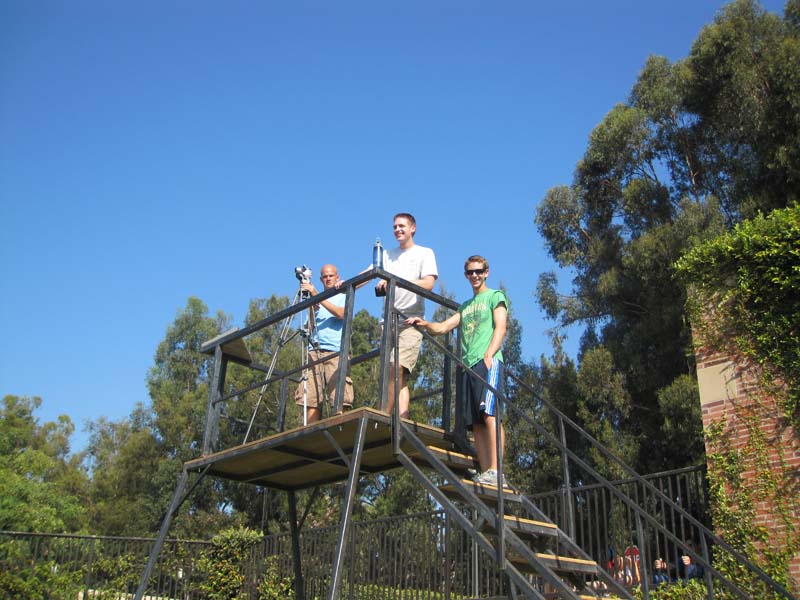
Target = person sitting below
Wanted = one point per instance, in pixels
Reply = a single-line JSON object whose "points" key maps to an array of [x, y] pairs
{"points": [[660, 571], [687, 567]]}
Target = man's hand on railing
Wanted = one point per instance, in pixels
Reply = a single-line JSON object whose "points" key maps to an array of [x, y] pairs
{"points": [[416, 322]]}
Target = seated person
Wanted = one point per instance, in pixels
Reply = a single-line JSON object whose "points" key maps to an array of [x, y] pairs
{"points": [[660, 571], [687, 567], [632, 570]]}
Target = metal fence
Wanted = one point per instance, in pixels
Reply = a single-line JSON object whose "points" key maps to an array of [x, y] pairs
{"points": [[609, 531], [411, 557], [422, 556]]}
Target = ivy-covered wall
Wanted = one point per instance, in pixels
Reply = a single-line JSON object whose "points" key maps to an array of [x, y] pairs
{"points": [[745, 308]]}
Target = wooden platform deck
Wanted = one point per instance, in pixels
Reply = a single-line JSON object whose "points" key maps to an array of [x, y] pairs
{"points": [[314, 455]]}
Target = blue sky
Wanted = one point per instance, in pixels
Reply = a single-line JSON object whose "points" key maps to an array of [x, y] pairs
{"points": [[154, 151]]}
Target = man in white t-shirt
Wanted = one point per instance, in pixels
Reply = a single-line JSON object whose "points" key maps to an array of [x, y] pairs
{"points": [[416, 264]]}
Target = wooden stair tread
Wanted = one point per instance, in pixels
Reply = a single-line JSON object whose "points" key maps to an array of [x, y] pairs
{"points": [[457, 460], [482, 491], [486, 493], [556, 562], [525, 528]]}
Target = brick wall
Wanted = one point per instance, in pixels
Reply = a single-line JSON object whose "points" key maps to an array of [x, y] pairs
{"points": [[730, 392]]}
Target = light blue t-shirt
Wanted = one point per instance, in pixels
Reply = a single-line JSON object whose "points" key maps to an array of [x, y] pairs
{"points": [[327, 328]]}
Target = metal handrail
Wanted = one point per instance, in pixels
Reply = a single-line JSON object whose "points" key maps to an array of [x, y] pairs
{"points": [[630, 503], [213, 346]]}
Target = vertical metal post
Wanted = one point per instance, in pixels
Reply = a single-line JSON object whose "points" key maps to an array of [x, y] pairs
{"points": [[448, 543], [347, 508], [642, 558], [284, 392], [211, 434], [299, 592], [500, 516], [386, 337], [460, 430], [352, 563], [344, 350], [707, 574], [475, 572], [396, 385], [569, 507], [87, 580], [446, 386]]}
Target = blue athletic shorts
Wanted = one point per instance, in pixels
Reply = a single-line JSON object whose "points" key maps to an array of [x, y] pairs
{"points": [[478, 399]]}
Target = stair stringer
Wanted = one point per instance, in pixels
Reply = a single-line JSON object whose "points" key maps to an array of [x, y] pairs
{"points": [[512, 541]]}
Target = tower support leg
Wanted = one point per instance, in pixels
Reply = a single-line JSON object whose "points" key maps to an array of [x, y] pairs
{"points": [[345, 520], [299, 591], [177, 499]]}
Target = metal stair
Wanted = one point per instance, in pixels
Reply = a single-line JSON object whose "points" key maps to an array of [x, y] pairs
{"points": [[539, 560]]}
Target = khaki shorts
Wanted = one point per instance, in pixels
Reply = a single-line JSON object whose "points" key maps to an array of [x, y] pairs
{"points": [[410, 339], [321, 384]]}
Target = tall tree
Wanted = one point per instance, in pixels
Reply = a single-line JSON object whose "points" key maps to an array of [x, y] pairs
{"points": [[125, 457], [42, 487], [683, 158]]}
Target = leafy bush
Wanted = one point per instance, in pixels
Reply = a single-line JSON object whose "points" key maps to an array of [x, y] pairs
{"points": [[273, 586], [694, 589], [21, 577], [750, 278]]}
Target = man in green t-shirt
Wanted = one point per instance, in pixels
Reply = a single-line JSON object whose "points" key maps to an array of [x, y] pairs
{"points": [[483, 321]]}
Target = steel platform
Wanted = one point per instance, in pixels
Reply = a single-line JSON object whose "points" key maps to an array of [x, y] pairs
{"points": [[315, 454]]}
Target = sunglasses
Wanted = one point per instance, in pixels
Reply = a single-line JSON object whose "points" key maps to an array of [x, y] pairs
{"points": [[469, 272]]}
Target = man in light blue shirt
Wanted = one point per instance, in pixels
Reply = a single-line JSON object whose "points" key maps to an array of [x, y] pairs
{"points": [[325, 340]]}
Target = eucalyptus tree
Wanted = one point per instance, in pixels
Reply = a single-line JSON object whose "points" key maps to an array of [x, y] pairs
{"points": [[699, 144]]}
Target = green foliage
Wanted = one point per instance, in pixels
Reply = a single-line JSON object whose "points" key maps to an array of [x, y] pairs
{"points": [[178, 380], [694, 589], [222, 566], [745, 302], [273, 586], [679, 403], [365, 337], [735, 500], [380, 592], [751, 278], [603, 402], [136, 461], [41, 488], [124, 455], [699, 144], [224, 574], [117, 573], [21, 577], [745, 91]]}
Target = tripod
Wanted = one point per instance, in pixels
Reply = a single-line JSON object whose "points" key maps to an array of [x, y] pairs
{"points": [[284, 337]]}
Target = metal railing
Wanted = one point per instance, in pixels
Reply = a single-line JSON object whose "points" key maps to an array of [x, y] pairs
{"points": [[416, 556], [424, 554], [80, 567], [648, 518]]}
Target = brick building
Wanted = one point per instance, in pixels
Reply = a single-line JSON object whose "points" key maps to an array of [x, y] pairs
{"points": [[730, 393]]}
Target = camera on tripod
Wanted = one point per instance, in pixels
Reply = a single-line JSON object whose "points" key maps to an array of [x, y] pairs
{"points": [[303, 274]]}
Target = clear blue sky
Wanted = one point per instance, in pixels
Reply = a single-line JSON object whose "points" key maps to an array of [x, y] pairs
{"points": [[152, 151]]}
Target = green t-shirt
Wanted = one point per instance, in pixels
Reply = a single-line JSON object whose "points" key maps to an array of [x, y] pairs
{"points": [[477, 324]]}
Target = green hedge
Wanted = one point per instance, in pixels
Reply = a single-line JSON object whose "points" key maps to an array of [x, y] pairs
{"points": [[750, 279]]}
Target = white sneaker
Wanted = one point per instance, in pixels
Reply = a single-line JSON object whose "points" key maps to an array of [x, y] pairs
{"points": [[489, 477]]}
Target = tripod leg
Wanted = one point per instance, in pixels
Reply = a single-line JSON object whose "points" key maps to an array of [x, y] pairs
{"points": [[279, 343]]}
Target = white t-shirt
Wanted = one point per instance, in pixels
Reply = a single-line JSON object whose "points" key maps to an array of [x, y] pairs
{"points": [[411, 264]]}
